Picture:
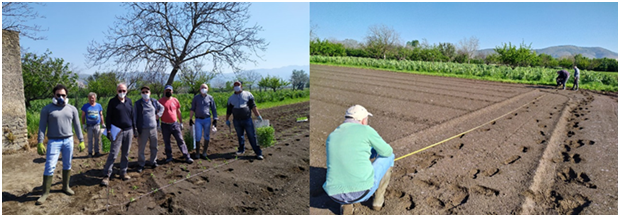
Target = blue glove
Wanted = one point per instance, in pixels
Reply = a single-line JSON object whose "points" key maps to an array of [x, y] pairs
{"points": [[227, 123], [260, 118]]}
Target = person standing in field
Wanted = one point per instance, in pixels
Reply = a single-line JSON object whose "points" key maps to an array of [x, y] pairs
{"points": [[92, 116], [203, 105], [576, 79], [119, 114], [562, 78], [241, 105], [170, 126], [351, 176], [57, 118], [146, 120]]}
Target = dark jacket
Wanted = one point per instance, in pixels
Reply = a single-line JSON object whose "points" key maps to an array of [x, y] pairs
{"points": [[119, 114]]}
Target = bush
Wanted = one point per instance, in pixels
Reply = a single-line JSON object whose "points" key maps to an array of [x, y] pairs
{"points": [[266, 136]]}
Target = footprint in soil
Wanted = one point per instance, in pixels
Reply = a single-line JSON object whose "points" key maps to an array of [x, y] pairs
{"points": [[486, 191], [569, 175], [426, 184], [435, 203], [572, 205], [491, 172], [459, 146], [542, 141], [460, 196], [474, 173], [570, 133], [524, 149], [542, 125], [512, 159], [542, 133]]}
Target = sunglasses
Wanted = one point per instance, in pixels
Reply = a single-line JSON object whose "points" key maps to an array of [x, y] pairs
{"points": [[61, 95], [145, 92], [122, 91]]}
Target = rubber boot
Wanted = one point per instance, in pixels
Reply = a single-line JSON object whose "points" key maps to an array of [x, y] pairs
{"points": [[346, 209], [47, 184], [204, 152], [66, 177], [377, 203], [197, 154]]}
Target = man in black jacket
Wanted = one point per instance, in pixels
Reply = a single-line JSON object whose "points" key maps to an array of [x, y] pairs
{"points": [[119, 114]]}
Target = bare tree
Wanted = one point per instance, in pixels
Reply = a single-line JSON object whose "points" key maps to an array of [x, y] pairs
{"points": [[313, 28], [469, 47], [249, 78], [173, 33], [15, 14], [381, 40], [193, 75]]}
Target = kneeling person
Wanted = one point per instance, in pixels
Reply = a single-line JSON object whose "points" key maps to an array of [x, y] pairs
{"points": [[351, 176]]}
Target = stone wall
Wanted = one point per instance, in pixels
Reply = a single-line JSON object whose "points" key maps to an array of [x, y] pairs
{"points": [[14, 128]]}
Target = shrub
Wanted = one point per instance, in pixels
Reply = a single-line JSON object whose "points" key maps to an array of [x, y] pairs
{"points": [[266, 136]]}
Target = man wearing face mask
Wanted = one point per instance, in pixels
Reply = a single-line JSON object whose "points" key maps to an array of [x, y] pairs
{"points": [[92, 115], [119, 114], [239, 105], [356, 179], [202, 106], [148, 112], [57, 118], [170, 126]]}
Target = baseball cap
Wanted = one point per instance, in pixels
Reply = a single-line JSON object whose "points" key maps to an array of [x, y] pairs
{"points": [[237, 83], [145, 87], [357, 112], [168, 87]]}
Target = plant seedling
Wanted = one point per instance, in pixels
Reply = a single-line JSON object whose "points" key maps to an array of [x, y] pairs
{"points": [[134, 187], [152, 175], [132, 200], [188, 175]]}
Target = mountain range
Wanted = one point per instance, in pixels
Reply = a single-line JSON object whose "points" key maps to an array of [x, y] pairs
{"points": [[282, 72], [569, 50]]}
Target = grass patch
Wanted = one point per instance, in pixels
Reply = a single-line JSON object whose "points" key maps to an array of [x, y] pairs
{"points": [[591, 80], [265, 136]]}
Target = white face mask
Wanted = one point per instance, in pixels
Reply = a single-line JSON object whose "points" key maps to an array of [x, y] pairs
{"points": [[146, 96], [237, 88], [122, 95], [204, 91]]}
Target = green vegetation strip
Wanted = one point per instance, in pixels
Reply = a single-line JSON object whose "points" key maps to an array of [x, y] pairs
{"points": [[523, 75]]}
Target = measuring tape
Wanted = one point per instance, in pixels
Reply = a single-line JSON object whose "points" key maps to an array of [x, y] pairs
{"points": [[463, 133]]}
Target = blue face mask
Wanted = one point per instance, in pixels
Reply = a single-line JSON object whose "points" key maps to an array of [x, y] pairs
{"points": [[59, 101]]}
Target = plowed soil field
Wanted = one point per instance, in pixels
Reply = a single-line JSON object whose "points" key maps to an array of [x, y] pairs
{"points": [[534, 150], [223, 185]]}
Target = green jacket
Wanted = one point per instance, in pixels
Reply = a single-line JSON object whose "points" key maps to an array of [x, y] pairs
{"points": [[348, 158]]}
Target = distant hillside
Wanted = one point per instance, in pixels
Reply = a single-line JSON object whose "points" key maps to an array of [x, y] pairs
{"points": [[283, 72], [569, 50]]}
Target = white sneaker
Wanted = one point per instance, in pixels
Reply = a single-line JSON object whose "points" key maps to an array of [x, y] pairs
{"points": [[240, 153]]}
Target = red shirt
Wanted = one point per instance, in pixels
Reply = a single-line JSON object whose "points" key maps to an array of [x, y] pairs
{"points": [[170, 109]]}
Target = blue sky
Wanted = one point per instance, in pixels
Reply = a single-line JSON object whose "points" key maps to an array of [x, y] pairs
{"points": [[541, 24], [73, 25]]}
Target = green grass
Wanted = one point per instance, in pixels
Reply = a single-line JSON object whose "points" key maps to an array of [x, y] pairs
{"points": [[525, 75]]}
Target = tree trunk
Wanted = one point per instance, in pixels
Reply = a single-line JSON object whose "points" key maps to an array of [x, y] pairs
{"points": [[172, 74]]}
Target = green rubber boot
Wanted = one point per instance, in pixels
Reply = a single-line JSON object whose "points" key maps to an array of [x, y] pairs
{"points": [[47, 184], [66, 176]]}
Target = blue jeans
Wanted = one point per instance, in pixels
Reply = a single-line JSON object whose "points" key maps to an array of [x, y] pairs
{"points": [[54, 148], [380, 166], [248, 126], [200, 125]]}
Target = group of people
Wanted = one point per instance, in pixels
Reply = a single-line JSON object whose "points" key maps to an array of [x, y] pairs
{"points": [[142, 119], [563, 76]]}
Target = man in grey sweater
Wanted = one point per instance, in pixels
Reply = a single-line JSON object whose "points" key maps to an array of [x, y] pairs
{"points": [[57, 118], [148, 112]]}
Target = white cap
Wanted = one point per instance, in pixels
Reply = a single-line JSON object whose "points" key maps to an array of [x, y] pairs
{"points": [[357, 112]]}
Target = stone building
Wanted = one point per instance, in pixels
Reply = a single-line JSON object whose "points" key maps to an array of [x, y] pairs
{"points": [[14, 128]]}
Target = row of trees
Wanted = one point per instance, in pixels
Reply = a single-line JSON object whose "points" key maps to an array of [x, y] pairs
{"points": [[383, 42], [42, 72]]}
